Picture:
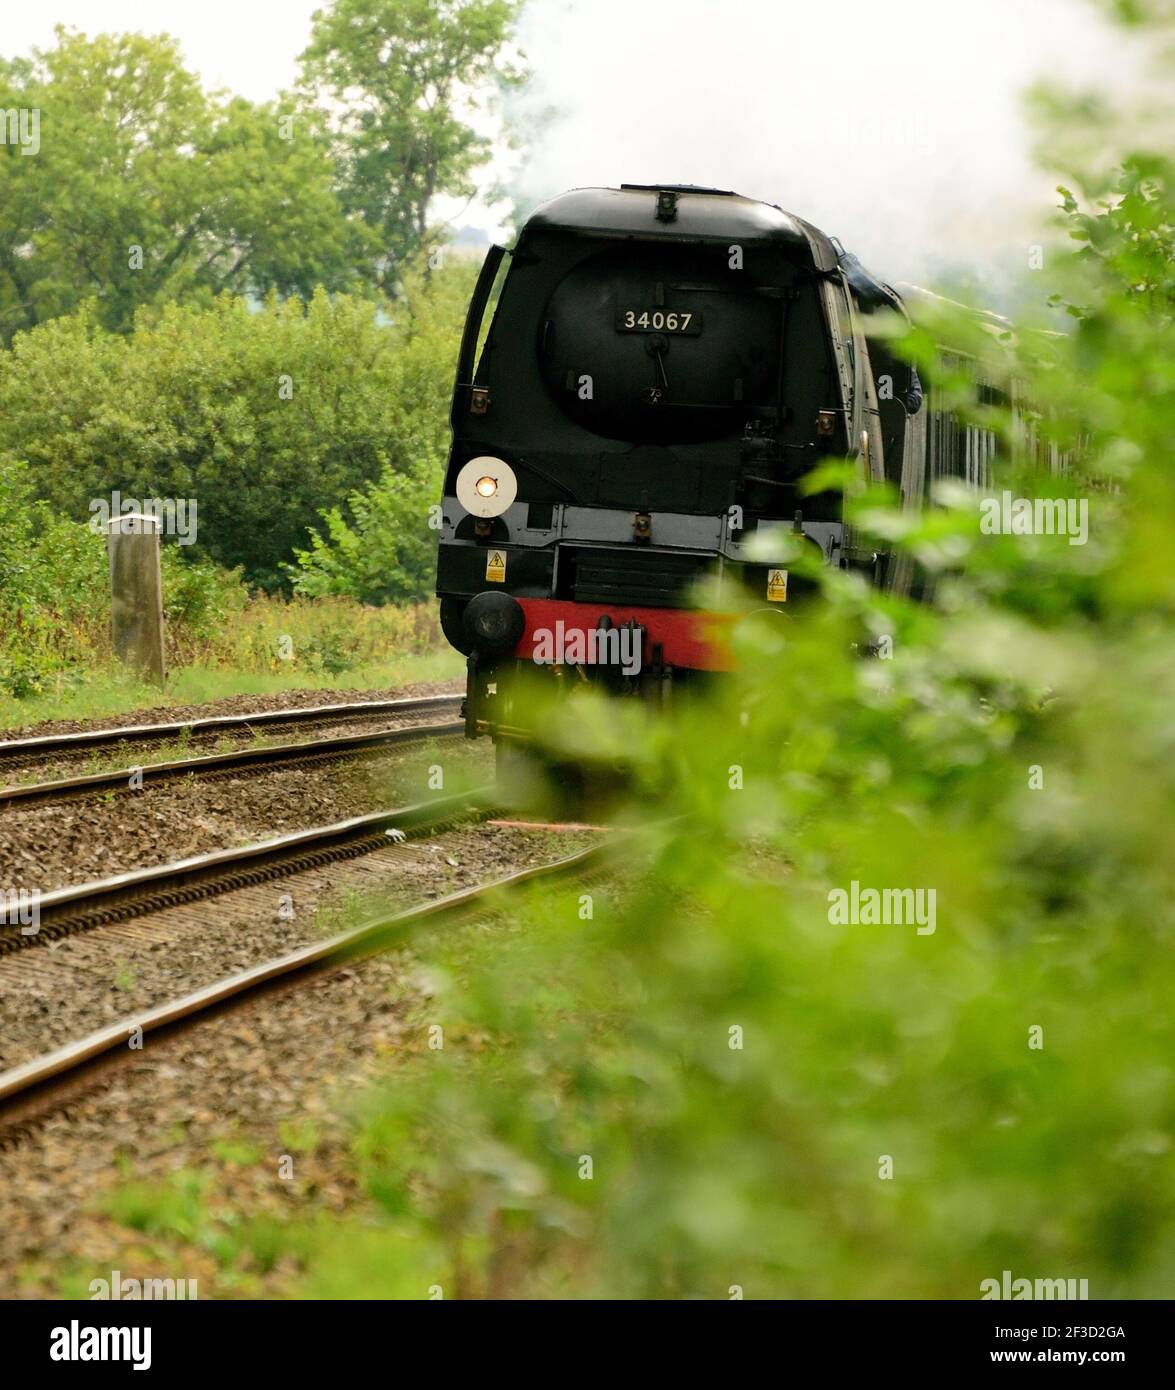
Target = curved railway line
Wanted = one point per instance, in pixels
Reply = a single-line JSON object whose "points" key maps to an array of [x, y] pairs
{"points": [[44, 1081], [311, 752], [64, 911], [41, 1086], [46, 747]]}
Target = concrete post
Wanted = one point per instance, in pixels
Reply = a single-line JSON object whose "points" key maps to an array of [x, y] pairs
{"points": [[136, 594]]}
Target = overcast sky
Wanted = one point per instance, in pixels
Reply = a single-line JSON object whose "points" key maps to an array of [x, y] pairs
{"points": [[893, 124]]}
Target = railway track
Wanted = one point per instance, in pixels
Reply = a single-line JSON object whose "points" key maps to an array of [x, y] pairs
{"points": [[65, 911], [312, 752], [46, 747], [39, 1087], [141, 902]]}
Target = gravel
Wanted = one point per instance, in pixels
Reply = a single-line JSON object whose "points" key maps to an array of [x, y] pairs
{"points": [[53, 993], [74, 762], [54, 845], [234, 704], [230, 1098], [247, 1091]]}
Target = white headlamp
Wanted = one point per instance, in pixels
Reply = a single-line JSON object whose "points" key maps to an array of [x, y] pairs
{"points": [[486, 486]]}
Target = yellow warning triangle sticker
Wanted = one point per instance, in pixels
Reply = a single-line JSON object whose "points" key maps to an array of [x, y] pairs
{"points": [[496, 567]]}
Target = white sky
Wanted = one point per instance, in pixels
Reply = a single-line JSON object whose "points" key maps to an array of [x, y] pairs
{"points": [[894, 124]]}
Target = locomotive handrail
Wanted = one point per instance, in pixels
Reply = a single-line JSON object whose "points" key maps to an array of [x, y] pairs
{"points": [[477, 306]]}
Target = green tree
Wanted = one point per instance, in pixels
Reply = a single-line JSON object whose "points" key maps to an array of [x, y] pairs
{"points": [[386, 553], [265, 417], [381, 548], [145, 188], [407, 77], [53, 589]]}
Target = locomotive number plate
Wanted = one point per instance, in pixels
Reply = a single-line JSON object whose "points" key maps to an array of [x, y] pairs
{"points": [[658, 321]]}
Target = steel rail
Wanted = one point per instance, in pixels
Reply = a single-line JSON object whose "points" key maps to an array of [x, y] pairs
{"points": [[240, 759], [86, 739], [36, 1079], [66, 910]]}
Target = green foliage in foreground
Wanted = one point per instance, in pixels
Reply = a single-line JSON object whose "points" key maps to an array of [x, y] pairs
{"points": [[761, 1166]]}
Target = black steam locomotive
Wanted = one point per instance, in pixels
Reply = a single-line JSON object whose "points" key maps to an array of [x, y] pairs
{"points": [[663, 366]]}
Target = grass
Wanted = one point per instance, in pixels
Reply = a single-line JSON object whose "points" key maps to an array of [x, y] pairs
{"points": [[231, 1221], [104, 693], [222, 642], [124, 758]]}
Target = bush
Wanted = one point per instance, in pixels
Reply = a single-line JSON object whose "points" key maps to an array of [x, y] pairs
{"points": [[265, 415], [54, 591], [55, 610], [387, 553]]}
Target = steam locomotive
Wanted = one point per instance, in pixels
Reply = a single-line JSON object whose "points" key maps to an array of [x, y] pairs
{"points": [[663, 367]]}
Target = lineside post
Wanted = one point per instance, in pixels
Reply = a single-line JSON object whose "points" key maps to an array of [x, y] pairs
{"points": [[136, 594]]}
